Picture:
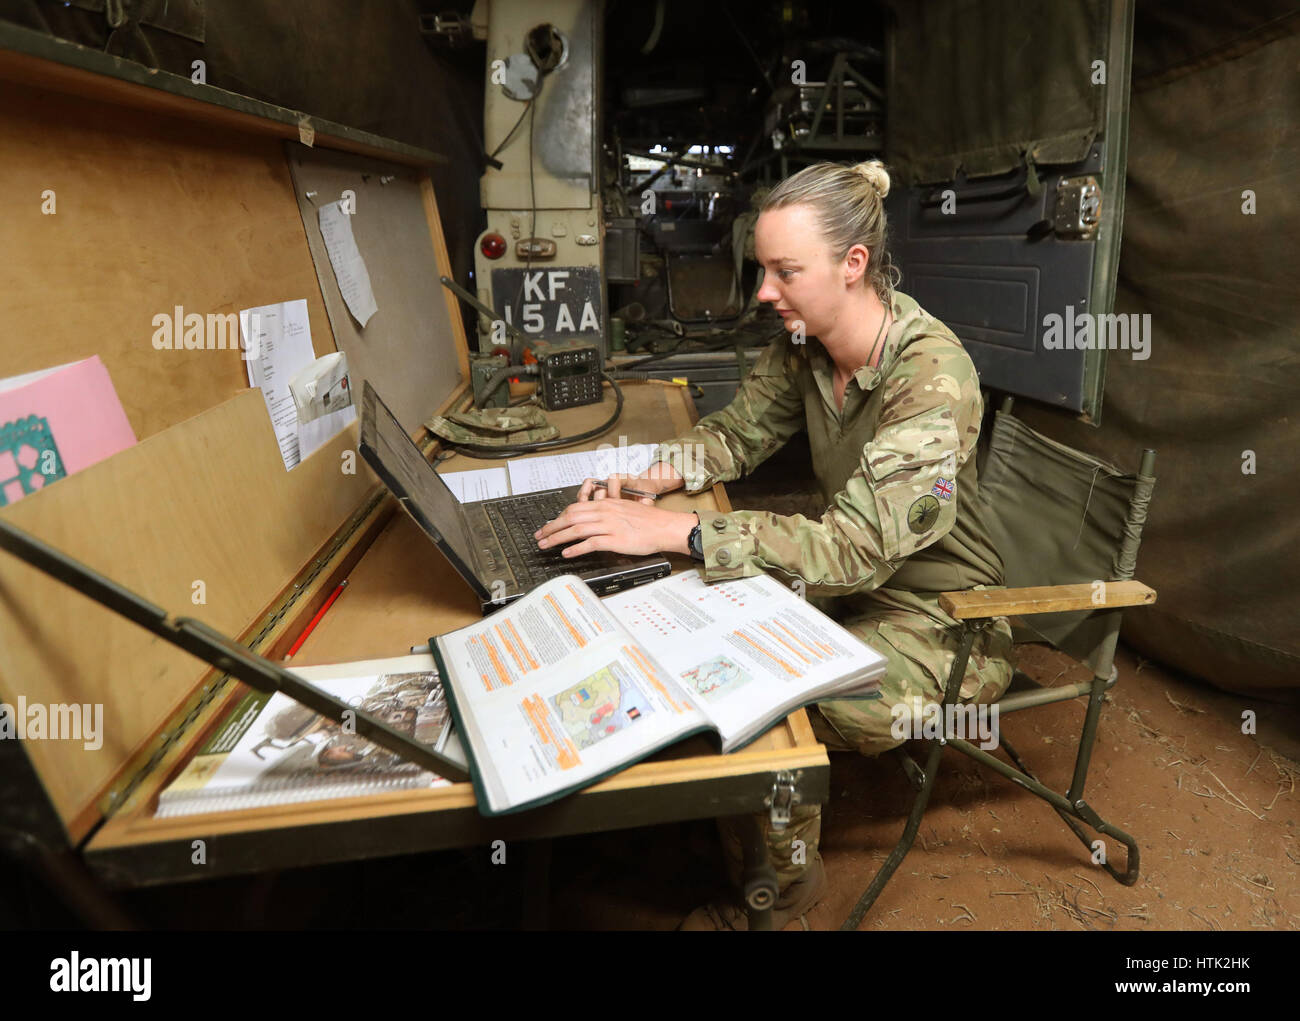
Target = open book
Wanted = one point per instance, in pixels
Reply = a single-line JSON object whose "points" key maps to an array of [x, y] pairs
{"points": [[560, 688], [271, 750]]}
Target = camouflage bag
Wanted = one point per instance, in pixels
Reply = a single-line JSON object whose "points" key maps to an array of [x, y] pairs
{"points": [[494, 427]]}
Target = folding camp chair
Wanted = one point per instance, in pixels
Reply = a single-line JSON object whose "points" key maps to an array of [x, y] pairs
{"points": [[1068, 525]]}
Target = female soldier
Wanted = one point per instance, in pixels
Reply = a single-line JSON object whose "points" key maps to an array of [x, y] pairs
{"points": [[892, 406]]}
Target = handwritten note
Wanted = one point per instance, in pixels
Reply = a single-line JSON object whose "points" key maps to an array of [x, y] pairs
{"points": [[531, 474], [349, 268]]}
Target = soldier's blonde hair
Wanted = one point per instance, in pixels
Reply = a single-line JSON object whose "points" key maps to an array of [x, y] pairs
{"points": [[848, 204]]}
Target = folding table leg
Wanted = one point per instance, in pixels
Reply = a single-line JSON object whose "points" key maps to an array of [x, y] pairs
{"points": [[758, 881]]}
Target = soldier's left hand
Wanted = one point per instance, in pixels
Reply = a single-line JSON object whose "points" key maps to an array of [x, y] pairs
{"points": [[634, 527]]}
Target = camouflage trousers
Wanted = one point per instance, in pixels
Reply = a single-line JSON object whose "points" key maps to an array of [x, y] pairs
{"points": [[920, 655]]}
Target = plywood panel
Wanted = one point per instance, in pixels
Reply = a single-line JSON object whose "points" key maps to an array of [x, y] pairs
{"points": [[412, 350], [152, 213], [206, 501]]}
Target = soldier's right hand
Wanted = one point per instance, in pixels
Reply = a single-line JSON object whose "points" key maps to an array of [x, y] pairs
{"points": [[661, 477]]}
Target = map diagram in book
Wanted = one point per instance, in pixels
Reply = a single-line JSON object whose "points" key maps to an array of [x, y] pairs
{"points": [[299, 742], [716, 678], [600, 705]]}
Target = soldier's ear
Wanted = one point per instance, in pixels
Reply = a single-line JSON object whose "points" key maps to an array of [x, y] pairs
{"points": [[856, 264]]}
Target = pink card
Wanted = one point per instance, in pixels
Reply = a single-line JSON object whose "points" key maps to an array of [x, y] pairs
{"points": [[56, 422]]}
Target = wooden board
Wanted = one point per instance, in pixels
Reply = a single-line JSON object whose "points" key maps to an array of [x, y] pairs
{"points": [[47, 62], [1045, 599], [205, 501], [415, 327], [162, 201], [152, 214]]}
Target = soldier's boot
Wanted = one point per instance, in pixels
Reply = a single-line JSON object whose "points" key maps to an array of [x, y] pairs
{"points": [[799, 898], [794, 856]]}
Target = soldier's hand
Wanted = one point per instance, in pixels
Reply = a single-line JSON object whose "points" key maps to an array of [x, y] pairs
{"points": [[619, 526], [661, 477]]}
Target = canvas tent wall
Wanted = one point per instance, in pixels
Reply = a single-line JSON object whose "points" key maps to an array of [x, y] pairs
{"points": [[1209, 250]]}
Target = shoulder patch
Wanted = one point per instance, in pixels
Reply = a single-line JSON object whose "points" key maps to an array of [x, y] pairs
{"points": [[923, 513]]}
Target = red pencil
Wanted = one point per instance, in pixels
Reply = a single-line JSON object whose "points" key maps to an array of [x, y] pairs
{"points": [[316, 619]]}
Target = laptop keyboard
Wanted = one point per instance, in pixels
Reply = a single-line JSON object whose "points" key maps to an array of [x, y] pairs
{"points": [[515, 520]]}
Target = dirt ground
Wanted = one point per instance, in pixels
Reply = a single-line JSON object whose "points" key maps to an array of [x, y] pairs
{"points": [[1214, 812]]}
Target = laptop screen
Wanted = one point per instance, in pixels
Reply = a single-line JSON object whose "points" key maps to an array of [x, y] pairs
{"points": [[393, 455]]}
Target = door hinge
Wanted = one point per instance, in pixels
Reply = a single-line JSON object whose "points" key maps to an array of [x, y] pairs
{"points": [[1078, 208]]}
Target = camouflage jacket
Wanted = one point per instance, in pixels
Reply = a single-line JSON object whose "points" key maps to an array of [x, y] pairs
{"points": [[896, 468]]}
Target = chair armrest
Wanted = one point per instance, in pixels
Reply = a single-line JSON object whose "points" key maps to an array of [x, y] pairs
{"points": [[1003, 602]]}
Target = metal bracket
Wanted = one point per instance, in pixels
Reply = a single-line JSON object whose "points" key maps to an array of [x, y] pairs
{"points": [[782, 800], [450, 27], [1078, 208]]}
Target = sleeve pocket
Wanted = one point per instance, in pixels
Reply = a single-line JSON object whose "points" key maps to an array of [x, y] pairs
{"points": [[903, 462]]}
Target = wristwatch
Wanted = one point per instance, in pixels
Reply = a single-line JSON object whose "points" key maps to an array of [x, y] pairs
{"points": [[696, 541]]}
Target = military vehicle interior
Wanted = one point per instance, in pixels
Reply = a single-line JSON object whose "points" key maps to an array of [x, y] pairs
{"points": [[1047, 160]]}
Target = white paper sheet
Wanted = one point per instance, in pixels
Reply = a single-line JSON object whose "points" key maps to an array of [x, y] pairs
{"points": [[315, 434], [349, 268], [277, 340], [532, 474], [477, 483]]}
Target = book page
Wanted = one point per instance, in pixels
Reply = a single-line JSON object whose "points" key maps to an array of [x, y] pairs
{"points": [[273, 750], [743, 648], [552, 694]]}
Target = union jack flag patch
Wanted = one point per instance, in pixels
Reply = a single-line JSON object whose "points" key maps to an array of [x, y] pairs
{"points": [[944, 488]]}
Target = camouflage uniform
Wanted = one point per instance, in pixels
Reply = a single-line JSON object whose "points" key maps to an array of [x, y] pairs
{"points": [[897, 470]]}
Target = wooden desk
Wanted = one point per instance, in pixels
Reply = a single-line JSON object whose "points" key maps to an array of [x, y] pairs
{"points": [[401, 590]]}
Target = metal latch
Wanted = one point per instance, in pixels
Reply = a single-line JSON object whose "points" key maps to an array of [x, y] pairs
{"points": [[1078, 207], [782, 800], [450, 26]]}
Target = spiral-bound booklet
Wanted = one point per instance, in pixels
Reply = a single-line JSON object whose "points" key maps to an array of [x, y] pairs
{"points": [[272, 750]]}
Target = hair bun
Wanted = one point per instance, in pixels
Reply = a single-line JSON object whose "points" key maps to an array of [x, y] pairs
{"points": [[875, 174]]}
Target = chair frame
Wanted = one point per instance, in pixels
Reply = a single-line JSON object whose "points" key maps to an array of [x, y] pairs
{"points": [[974, 611]]}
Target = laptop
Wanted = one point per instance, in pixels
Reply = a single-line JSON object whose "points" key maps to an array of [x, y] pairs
{"points": [[489, 542]]}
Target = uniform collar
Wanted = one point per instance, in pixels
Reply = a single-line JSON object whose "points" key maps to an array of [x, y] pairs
{"points": [[866, 377]]}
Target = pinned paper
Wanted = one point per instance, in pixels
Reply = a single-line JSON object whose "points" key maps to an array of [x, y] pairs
{"points": [[278, 341], [345, 257]]}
